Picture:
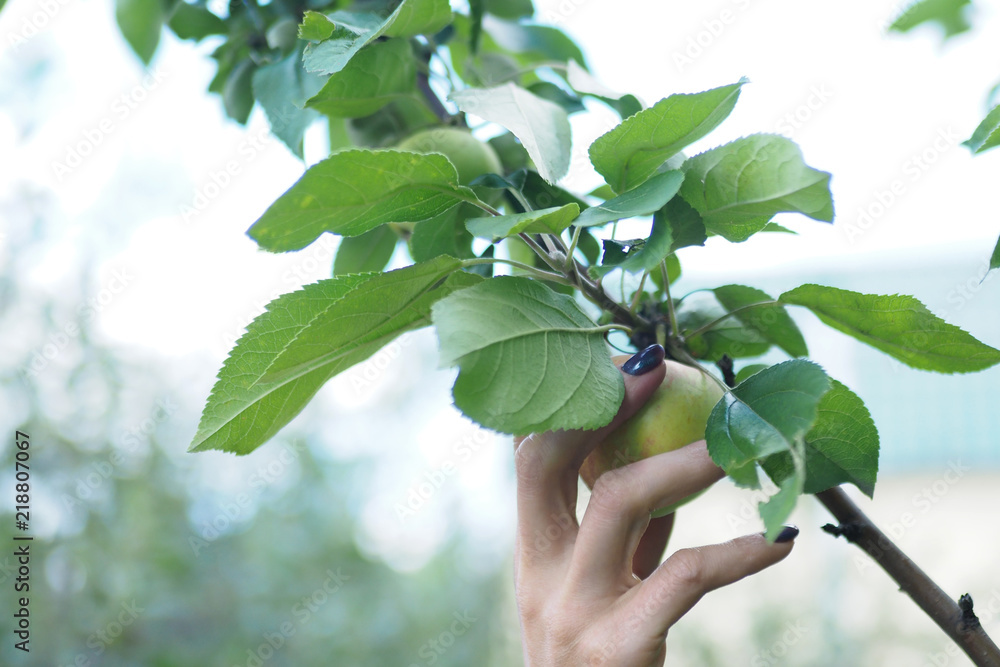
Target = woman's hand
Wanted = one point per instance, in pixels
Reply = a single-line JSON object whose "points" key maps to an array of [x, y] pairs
{"points": [[594, 593]]}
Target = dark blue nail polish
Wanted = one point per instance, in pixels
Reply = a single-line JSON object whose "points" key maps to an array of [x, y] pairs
{"points": [[787, 534], [644, 361]]}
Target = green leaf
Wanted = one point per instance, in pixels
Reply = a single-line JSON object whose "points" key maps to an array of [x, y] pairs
{"points": [[282, 88], [841, 447], [377, 75], [316, 27], [541, 126], [779, 506], [644, 199], [391, 124], [140, 22], [727, 336], [634, 150], [738, 187], [638, 254], [195, 22], [686, 226], [771, 321], [380, 309], [243, 411], [543, 195], [995, 259], [546, 221], [352, 31], [237, 94], [673, 273], [536, 42], [352, 192], [766, 414], [418, 17], [369, 252], [444, 234], [530, 359], [776, 228], [547, 90], [949, 14], [901, 326], [589, 246], [987, 135], [583, 83], [509, 9], [749, 370]]}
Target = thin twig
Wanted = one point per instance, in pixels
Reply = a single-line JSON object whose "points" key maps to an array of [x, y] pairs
{"points": [[944, 611]]}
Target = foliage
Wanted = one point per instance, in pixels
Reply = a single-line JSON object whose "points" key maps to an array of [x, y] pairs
{"points": [[143, 555], [530, 348]]}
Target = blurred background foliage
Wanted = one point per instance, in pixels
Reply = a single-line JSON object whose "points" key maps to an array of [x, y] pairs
{"points": [[147, 555]]}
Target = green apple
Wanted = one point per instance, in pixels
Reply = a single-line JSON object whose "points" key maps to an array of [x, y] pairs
{"points": [[472, 158], [674, 416]]}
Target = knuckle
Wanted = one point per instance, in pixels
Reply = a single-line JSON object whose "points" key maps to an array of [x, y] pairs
{"points": [[687, 569], [614, 491]]}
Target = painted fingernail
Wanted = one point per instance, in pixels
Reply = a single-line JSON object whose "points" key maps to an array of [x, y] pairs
{"points": [[787, 534], [644, 361]]}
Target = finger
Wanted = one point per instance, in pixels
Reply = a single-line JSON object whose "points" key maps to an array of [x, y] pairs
{"points": [[688, 574], [620, 505], [548, 465], [649, 553]]}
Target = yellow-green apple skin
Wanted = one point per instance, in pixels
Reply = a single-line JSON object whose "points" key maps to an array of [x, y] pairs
{"points": [[674, 416], [472, 158]]}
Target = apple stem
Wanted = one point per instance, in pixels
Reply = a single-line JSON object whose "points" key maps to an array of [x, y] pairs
{"points": [[958, 621]]}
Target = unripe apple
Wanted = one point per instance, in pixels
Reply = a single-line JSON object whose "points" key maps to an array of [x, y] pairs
{"points": [[472, 158], [674, 416]]}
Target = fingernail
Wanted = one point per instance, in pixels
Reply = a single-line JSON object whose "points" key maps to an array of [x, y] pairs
{"points": [[787, 534], [644, 361]]}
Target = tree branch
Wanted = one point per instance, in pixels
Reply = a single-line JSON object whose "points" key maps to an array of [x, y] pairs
{"points": [[958, 621], [433, 101]]}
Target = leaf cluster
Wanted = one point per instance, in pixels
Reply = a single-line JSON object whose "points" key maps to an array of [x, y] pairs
{"points": [[530, 344]]}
